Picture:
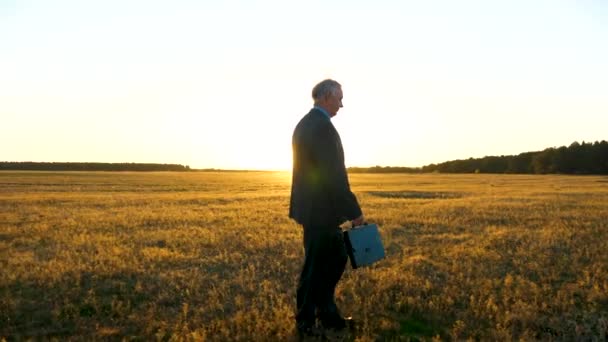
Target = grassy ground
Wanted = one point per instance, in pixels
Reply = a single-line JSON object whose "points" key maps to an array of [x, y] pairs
{"points": [[213, 256]]}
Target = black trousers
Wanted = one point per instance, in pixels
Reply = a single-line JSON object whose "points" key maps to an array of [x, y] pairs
{"points": [[324, 263]]}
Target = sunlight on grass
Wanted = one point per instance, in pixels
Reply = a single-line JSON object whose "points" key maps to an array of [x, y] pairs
{"points": [[213, 256]]}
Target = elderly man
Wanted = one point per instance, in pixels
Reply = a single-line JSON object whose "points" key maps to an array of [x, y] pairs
{"points": [[321, 200]]}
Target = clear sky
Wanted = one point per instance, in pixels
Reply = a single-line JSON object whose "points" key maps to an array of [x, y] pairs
{"points": [[221, 84]]}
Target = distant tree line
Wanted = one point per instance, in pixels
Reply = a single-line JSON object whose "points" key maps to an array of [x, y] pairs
{"points": [[384, 169], [43, 166], [583, 158]]}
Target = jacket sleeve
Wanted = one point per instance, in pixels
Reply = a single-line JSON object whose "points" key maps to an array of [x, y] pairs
{"points": [[330, 163]]}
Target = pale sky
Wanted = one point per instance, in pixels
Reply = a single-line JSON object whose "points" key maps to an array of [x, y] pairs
{"points": [[221, 84]]}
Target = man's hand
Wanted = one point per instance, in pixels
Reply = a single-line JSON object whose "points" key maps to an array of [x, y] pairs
{"points": [[359, 221]]}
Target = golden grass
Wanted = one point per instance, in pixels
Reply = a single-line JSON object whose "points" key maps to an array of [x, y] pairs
{"points": [[213, 256]]}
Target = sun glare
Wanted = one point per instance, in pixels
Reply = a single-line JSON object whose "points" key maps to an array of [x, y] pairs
{"points": [[265, 159]]}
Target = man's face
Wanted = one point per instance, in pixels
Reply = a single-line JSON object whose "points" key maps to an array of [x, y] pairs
{"points": [[334, 102]]}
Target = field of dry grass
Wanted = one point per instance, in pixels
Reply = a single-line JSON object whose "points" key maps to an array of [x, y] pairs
{"points": [[213, 256]]}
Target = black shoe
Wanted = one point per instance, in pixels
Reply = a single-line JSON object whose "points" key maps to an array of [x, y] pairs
{"points": [[337, 323], [306, 329]]}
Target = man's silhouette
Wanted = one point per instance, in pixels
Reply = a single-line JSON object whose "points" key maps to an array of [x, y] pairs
{"points": [[321, 200]]}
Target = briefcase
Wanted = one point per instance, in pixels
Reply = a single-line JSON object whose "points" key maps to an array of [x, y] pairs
{"points": [[363, 245]]}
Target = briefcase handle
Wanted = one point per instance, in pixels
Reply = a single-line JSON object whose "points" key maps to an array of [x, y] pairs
{"points": [[353, 225]]}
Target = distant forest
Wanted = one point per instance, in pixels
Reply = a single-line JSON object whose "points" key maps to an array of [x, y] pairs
{"points": [[578, 158], [35, 166], [583, 158]]}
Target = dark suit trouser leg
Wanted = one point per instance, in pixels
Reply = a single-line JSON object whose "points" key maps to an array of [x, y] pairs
{"points": [[334, 268], [324, 263]]}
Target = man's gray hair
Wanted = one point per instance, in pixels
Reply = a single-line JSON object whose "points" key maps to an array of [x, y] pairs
{"points": [[324, 88]]}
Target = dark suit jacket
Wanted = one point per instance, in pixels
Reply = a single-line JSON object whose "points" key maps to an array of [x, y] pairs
{"points": [[320, 192]]}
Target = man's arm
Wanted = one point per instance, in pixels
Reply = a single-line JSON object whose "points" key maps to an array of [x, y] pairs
{"points": [[330, 161]]}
